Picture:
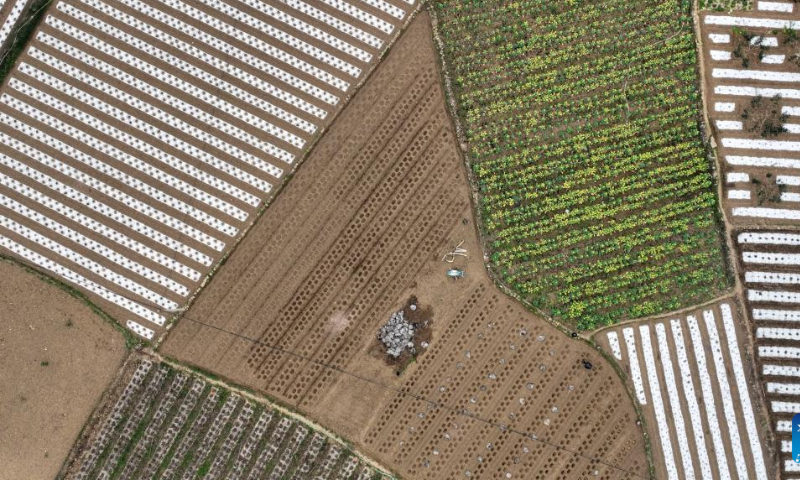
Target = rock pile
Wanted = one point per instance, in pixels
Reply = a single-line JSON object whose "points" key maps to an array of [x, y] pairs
{"points": [[397, 335]]}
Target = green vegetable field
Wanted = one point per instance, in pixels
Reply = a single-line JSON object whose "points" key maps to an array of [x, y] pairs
{"points": [[582, 123]]}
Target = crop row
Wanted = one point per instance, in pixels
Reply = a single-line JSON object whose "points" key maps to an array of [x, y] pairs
{"points": [[581, 120], [170, 424]]}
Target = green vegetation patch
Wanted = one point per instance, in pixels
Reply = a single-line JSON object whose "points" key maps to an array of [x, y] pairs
{"points": [[582, 120]]}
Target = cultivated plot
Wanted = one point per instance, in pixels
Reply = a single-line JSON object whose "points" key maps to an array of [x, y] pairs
{"points": [[769, 263], [140, 137], [752, 74], [690, 377], [56, 359], [595, 191], [371, 220], [169, 424]]}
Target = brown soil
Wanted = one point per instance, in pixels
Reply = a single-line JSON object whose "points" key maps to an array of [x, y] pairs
{"points": [[170, 127], [360, 229], [56, 359]]}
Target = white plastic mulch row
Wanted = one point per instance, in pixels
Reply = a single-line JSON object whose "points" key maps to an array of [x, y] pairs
{"points": [[361, 15], [775, 6], [146, 149], [787, 180], [768, 238], [784, 426], [658, 405], [334, 22], [737, 177], [691, 399], [316, 33], [771, 258], [286, 38], [111, 192], [738, 194], [726, 107], [772, 277], [785, 407], [719, 37], [773, 296], [709, 399], [776, 315], [186, 87], [764, 41], [99, 228], [744, 402], [105, 210], [728, 404], [174, 102], [665, 361], [781, 371], [730, 395], [162, 116], [773, 59], [613, 341], [783, 388], [81, 281], [768, 92], [761, 75], [790, 197], [764, 212], [92, 245], [636, 373], [86, 263], [761, 144], [720, 55], [11, 19], [730, 21], [140, 329], [773, 333], [105, 189], [729, 124], [741, 161], [788, 353], [210, 79]]}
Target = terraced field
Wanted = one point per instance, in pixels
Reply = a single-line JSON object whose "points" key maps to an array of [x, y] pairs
{"points": [[596, 194], [141, 137], [170, 424], [367, 223]]}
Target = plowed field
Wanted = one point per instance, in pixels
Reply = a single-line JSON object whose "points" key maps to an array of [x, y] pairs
{"points": [[361, 228]]}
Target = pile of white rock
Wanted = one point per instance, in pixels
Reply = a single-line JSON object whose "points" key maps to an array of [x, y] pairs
{"points": [[397, 335]]}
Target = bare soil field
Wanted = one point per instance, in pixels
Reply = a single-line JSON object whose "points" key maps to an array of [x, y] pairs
{"points": [[695, 383], [160, 422], [365, 225], [56, 359], [141, 138]]}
